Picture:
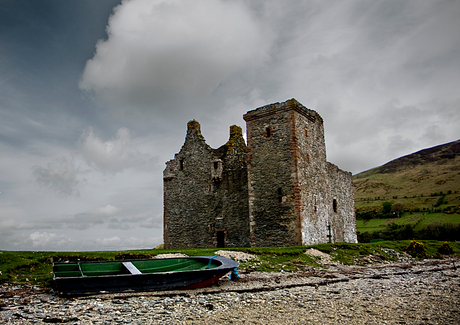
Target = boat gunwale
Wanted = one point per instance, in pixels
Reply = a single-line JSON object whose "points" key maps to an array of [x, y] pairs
{"points": [[226, 263]]}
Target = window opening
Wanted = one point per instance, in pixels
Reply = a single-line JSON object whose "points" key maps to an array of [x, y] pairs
{"points": [[216, 170], [280, 195], [220, 239], [268, 131], [181, 164], [334, 205]]}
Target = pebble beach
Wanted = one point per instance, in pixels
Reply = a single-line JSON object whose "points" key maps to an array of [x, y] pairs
{"points": [[402, 292]]}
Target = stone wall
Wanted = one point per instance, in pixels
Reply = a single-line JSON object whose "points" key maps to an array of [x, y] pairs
{"points": [[342, 205], [313, 177]]}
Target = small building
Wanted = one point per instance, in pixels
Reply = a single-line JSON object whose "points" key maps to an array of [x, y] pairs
{"points": [[278, 190]]}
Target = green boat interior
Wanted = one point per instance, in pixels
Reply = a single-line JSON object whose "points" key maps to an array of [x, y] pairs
{"points": [[130, 267]]}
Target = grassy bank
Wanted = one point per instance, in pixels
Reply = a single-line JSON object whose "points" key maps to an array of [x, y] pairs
{"points": [[35, 268]]}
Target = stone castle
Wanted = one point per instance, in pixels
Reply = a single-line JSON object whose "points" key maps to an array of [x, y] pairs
{"points": [[278, 190]]}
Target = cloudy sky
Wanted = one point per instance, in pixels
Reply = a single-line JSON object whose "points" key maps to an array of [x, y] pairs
{"points": [[95, 97]]}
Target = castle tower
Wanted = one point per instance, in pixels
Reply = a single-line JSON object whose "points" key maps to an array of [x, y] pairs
{"points": [[186, 180], [291, 202], [206, 193]]}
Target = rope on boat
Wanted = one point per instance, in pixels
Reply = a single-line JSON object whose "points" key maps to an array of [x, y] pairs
{"points": [[210, 260], [234, 275]]}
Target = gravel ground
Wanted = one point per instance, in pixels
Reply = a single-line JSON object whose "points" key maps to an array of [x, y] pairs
{"points": [[425, 292]]}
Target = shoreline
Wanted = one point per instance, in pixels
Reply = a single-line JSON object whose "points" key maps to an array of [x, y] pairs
{"points": [[341, 294]]}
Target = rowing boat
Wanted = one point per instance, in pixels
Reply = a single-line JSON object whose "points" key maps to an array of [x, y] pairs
{"points": [[94, 277]]}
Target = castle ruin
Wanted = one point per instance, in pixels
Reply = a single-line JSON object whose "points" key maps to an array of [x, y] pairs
{"points": [[278, 190]]}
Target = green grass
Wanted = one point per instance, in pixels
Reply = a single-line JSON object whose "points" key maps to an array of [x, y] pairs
{"points": [[419, 220], [35, 267], [371, 226], [431, 218]]}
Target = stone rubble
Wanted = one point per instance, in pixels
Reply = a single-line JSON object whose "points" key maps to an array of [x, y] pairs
{"points": [[424, 292], [323, 257], [237, 256], [169, 255]]}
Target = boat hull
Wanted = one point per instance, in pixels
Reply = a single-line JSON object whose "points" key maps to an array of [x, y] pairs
{"points": [[214, 269]]}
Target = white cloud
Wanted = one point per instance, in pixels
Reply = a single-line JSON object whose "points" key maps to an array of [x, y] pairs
{"points": [[113, 155], [44, 239], [62, 241], [149, 242], [433, 133], [114, 218], [132, 220], [151, 222], [60, 175], [105, 217], [130, 242], [398, 145], [111, 241], [160, 52], [108, 210], [355, 59], [98, 216]]}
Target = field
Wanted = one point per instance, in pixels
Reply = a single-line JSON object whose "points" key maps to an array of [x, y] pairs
{"points": [[418, 220], [35, 268]]}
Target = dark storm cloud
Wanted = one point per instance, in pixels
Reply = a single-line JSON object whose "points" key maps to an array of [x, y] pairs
{"points": [[45, 45]]}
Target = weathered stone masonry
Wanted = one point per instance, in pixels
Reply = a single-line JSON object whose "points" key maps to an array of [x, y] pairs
{"points": [[277, 191], [205, 193]]}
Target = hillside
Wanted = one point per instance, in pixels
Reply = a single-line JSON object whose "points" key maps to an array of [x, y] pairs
{"points": [[426, 180]]}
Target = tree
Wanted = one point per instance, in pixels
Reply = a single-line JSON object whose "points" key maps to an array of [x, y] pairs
{"points": [[397, 208], [386, 207]]}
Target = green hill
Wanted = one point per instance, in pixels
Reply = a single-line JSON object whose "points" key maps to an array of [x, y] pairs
{"points": [[423, 189], [416, 181]]}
